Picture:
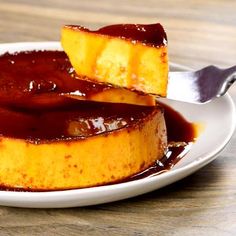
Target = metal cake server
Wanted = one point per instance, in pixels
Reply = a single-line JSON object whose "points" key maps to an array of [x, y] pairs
{"points": [[200, 86]]}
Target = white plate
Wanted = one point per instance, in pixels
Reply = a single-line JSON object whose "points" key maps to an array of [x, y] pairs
{"points": [[218, 118]]}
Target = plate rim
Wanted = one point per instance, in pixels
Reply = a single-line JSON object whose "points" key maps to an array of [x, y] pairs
{"points": [[199, 162]]}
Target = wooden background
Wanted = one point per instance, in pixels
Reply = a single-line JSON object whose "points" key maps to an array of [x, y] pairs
{"points": [[200, 32]]}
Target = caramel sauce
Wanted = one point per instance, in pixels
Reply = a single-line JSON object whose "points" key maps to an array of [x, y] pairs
{"points": [[31, 107], [72, 120], [152, 34]]}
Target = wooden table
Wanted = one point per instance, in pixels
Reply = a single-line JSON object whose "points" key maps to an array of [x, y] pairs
{"points": [[200, 33]]}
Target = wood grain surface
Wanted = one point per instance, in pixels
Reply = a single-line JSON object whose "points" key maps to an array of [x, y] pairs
{"points": [[200, 33]]}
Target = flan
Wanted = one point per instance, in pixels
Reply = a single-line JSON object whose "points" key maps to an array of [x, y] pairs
{"points": [[78, 144], [50, 141], [130, 56]]}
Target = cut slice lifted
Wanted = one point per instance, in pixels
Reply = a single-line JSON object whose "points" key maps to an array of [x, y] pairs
{"points": [[129, 56]]}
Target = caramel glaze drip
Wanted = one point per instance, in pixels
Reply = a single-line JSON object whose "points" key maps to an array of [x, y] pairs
{"points": [[181, 134], [152, 34], [73, 119]]}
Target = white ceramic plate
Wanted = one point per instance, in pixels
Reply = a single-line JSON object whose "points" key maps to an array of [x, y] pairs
{"points": [[214, 115]]}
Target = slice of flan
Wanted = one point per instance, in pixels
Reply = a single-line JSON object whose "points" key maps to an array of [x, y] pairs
{"points": [[128, 55]]}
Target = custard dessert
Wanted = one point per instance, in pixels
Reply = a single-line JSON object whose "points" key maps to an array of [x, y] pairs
{"points": [[128, 55], [78, 144], [50, 141]]}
